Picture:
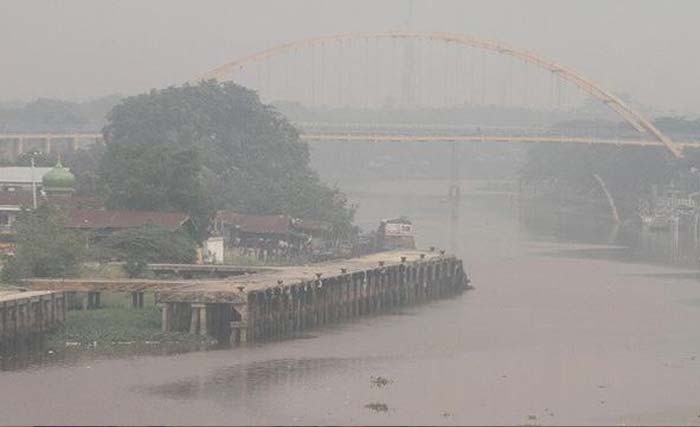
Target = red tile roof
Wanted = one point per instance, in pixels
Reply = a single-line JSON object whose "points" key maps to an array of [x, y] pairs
{"points": [[100, 219], [259, 224]]}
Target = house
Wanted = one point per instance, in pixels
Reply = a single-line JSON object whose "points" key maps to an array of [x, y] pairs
{"points": [[55, 187], [280, 236], [21, 178], [105, 222], [86, 213]]}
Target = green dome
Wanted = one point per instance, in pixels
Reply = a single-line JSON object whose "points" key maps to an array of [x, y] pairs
{"points": [[58, 178]]}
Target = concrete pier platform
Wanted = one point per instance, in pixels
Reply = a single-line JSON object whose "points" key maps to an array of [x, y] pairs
{"points": [[24, 314], [274, 304]]}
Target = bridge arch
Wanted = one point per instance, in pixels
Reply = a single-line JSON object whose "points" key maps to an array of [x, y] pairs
{"points": [[631, 116]]}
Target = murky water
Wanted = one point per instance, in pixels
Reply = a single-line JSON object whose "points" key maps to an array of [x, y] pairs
{"points": [[566, 325]]}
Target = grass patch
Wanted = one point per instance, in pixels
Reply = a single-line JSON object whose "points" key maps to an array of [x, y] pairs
{"points": [[101, 271], [117, 323]]}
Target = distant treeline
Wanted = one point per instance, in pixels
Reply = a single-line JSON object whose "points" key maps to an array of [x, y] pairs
{"points": [[51, 115], [44, 115]]}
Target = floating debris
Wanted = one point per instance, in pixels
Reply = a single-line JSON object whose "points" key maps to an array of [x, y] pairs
{"points": [[380, 381], [377, 407]]}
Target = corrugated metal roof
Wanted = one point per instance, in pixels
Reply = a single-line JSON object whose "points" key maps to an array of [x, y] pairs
{"points": [[21, 174], [100, 219]]}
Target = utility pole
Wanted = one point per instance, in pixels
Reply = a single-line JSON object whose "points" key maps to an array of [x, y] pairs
{"points": [[33, 183]]}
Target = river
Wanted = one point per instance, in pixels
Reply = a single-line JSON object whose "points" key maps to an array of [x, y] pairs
{"points": [[570, 323]]}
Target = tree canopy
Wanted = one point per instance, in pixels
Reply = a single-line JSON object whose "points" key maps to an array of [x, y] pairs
{"points": [[149, 244], [197, 148], [629, 172], [44, 248]]}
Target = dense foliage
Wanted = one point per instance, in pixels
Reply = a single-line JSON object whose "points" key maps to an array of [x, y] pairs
{"points": [[629, 173], [210, 146], [44, 248], [148, 244], [50, 115]]}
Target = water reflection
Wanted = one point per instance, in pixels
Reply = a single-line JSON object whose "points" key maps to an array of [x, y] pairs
{"points": [[37, 352], [629, 242], [246, 380]]}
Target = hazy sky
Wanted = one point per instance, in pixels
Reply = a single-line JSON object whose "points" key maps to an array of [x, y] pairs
{"points": [[86, 48]]}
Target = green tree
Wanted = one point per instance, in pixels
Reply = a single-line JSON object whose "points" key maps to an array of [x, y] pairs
{"points": [[628, 173], [44, 248], [210, 146], [148, 244]]}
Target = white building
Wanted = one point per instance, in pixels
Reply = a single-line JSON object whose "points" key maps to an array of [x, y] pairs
{"points": [[21, 178]]}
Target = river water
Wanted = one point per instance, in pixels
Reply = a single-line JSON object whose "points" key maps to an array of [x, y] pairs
{"points": [[567, 324]]}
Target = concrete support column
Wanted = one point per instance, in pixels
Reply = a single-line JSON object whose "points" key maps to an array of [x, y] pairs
{"points": [[50, 311], [29, 315], [304, 307], [294, 301], [21, 308], [3, 321], [266, 315], [289, 312], [243, 335], [251, 309], [344, 297], [194, 318], [61, 310], [356, 287], [328, 301], [202, 319], [167, 315], [137, 299], [239, 328], [313, 305]]}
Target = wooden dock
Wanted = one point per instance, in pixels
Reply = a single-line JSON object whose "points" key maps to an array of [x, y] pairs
{"points": [[26, 314]]}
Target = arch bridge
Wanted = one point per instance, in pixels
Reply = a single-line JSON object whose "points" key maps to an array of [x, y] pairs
{"points": [[649, 134]]}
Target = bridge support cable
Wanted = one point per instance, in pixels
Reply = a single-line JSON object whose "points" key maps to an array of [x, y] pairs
{"points": [[611, 202]]}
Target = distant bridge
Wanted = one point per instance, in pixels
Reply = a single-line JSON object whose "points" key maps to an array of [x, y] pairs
{"points": [[13, 145]]}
